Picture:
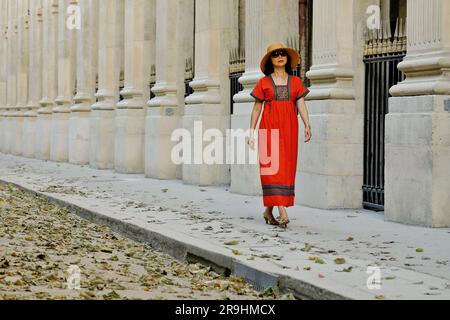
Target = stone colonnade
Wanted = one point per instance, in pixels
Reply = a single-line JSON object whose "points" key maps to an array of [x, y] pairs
{"points": [[81, 93]]}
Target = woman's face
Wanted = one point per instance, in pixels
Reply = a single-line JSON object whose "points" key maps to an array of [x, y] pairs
{"points": [[279, 58]]}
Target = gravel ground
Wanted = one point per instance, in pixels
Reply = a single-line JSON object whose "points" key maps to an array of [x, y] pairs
{"points": [[43, 246]]}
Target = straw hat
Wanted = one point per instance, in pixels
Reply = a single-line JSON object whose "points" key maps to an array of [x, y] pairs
{"points": [[295, 57]]}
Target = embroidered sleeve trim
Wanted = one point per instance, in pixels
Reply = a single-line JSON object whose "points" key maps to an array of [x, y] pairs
{"points": [[256, 97], [305, 93]]}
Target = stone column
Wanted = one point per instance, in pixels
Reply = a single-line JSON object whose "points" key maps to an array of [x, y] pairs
{"points": [[49, 79], [110, 62], [174, 42], [130, 117], [3, 64], [330, 167], [418, 124], [209, 106], [34, 79], [87, 56], [266, 21], [59, 143], [22, 75]]}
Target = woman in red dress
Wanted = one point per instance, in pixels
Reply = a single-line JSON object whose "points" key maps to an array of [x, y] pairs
{"points": [[283, 96]]}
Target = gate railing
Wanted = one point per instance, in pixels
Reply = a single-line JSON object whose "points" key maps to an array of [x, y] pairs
{"points": [[382, 53], [299, 70], [188, 77], [152, 80], [237, 68]]}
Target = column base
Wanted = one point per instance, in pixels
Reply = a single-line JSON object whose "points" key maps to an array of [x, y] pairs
{"points": [[330, 166], [418, 161], [59, 143], [129, 148], [29, 134], [17, 141], [43, 136], [245, 178], [9, 135], [79, 125], [158, 145], [210, 117], [6, 134], [103, 135]]}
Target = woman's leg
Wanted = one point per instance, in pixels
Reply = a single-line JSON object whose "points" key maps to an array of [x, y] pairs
{"points": [[269, 212], [283, 213], [268, 216]]}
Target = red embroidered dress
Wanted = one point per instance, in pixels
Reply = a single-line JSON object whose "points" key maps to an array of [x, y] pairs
{"points": [[280, 112]]}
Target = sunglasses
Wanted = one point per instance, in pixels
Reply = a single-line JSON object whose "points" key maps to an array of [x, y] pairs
{"points": [[279, 53]]}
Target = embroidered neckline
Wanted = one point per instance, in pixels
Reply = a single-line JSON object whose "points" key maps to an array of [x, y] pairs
{"points": [[275, 88]]}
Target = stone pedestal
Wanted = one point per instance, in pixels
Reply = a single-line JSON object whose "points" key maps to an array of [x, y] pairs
{"points": [[35, 72], [49, 80], [59, 143], [418, 161], [330, 166], [209, 105], [80, 113], [130, 116], [22, 77], [110, 62], [174, 26], [418, 124]]}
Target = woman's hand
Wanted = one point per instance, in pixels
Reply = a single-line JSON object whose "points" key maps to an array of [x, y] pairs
{"points": [[251, 142], [308, 134]]}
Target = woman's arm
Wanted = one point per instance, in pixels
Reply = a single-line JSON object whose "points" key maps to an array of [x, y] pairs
{"points": [[253, 121], [303, 110]]}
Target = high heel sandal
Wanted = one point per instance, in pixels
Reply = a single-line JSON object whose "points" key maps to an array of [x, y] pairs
{"points": [[283, 223], [270, 220]]}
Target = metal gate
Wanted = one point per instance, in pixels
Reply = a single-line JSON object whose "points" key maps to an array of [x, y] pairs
{"points": [[237, 68], [383, 52]]}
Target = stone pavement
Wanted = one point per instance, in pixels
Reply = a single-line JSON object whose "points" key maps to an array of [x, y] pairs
{"points": [[324, 254]]}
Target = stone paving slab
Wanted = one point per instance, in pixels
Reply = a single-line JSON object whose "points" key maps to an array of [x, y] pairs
{"points": [[200, 223]]}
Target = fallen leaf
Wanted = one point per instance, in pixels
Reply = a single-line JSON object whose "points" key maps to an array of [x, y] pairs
{"points": [[4, 263], [112, 295], [232, 243], [349, 269], [87, 295], [339, 261], [317, 260]]}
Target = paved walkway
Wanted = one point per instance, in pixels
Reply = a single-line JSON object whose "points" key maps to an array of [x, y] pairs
{"points": [[227, 230]]}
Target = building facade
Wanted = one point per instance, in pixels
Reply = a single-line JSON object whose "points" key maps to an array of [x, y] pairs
{"points": [[106, 83]]}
